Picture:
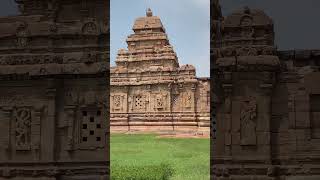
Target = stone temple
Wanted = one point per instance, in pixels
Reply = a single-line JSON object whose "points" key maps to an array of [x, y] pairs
{"points": [[54, 91], [151, 91], [267, 102]]}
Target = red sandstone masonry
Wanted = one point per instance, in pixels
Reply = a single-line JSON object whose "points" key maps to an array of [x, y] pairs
{"points": [[267, 105], [150, 91], [53, 91]]}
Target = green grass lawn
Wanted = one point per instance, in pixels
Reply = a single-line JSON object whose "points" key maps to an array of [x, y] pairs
{"points": [[138, 154]]}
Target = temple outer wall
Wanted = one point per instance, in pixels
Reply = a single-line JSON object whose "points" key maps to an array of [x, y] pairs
{"points": [[184, 111]]}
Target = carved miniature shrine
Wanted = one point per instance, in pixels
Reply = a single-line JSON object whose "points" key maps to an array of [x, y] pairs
{"points": [[150, 91], [53, 105], [267, 103]]}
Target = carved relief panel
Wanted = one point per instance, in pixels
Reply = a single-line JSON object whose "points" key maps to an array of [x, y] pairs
{"points": [[22, 35], [188, 100], [90, 28], [248, 120], [160, 101], [118, 102], [22, 128], [25, 128]]}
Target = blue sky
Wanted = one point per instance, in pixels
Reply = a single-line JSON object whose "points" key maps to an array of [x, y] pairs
{"points": [[187, 23]]}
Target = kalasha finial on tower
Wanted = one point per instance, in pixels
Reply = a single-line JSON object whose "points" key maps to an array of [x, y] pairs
{"points": [[149, 12]]}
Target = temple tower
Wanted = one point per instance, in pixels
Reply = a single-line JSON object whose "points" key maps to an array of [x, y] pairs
{"points": [[267, 104], [150, 90], [245, 72]]}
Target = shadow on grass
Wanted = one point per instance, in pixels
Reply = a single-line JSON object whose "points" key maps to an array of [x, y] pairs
{"points": [[152, 172]]}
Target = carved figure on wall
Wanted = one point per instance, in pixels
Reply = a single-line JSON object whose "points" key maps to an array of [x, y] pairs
{"points": [[246, 21], [22, 35], [252, 52], [187, 100], [21, 7], [71, 96], [116, 101], [248, 32], [160, 100], [89, 28], [248, 122], [22, 128]]}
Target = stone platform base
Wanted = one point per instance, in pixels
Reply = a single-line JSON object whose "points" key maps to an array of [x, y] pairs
{"points": [[30, 178], [311, 177], [262, 171], [182, 122], [94, 170], [59, 178], [83, 178], [165, 123], [161, 129]]}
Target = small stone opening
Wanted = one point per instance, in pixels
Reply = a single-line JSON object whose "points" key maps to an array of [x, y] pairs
{"points": [[91, 119]]}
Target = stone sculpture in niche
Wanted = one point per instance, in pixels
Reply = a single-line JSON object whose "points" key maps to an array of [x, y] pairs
{"points": [[22, 128], [248, 115], [160, 100], [116, 101], [89, 28], [187, 100], [22, 35], [246, 21]]}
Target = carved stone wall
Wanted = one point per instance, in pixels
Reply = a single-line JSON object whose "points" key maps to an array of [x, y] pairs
{"points": [[53, 103], [150, 91], [266, 106]]}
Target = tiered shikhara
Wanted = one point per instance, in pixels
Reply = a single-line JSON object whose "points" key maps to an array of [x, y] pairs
{"points": [[53, 102], [150, 91]]}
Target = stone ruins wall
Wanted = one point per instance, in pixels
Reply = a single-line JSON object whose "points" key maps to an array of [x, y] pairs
{"points": [[267, 104], [53, 68], [150, 91]]}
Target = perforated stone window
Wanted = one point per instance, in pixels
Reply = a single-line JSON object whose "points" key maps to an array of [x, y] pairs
{"points": [[91, 128], [138, 102], [175, 99]]}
